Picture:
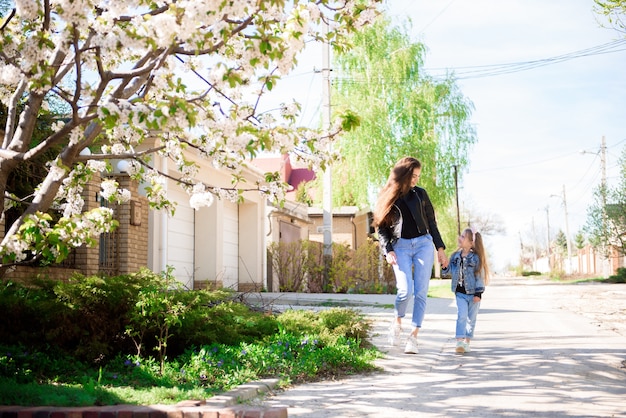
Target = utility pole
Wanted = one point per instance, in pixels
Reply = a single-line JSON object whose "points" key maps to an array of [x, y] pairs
{"points": [[327, 197], [548, 229], [521, 250], [534, 246], [605, 260], [603, 190], [567, 237], [456, 192], [603, 163]]}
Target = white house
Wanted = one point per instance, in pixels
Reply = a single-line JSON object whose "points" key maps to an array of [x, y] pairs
{"points": [[220, 245]]}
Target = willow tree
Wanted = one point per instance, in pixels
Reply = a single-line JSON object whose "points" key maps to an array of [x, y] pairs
{"points": [[403, 111], [614, 10]]}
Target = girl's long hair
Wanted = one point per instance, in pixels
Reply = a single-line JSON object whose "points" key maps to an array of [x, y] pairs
{"points": [[398, 184], [477, 245]]}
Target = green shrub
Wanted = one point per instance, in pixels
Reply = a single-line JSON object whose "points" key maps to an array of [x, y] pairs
{"points": [[314, 266], [294, 346], [620, 277], [224, 323], [94, 312], [328, 324], [94, 318], [531, 273], [287, 261], [300, 267], [345, 322]]}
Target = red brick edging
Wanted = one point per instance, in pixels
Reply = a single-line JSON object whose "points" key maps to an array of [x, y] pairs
{"points": [[155, 411], [225, 405]]}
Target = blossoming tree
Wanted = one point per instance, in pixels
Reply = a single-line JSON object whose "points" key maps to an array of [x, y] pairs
{"points": [[184, 76]]}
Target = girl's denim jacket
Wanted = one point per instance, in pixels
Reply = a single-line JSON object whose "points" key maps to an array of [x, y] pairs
{"points": [[474, 283]]}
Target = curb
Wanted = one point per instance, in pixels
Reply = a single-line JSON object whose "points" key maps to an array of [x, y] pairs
{"points": [[225, 405], [292, 299], [242, 393]]}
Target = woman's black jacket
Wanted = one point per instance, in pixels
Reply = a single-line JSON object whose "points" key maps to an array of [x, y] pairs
{"points": [[423, 215]]}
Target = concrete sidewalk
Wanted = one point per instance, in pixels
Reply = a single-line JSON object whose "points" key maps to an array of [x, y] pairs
{"points": [[528, 359]]}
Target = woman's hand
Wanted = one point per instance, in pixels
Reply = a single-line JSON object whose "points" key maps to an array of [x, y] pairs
{"points": [[391, 258], [442, 258]]}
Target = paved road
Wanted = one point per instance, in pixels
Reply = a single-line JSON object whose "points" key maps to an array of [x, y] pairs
{"points": [[529, 358]]}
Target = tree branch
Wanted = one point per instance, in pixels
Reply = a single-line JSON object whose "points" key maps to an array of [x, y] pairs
{"points": [[9, 130], [8, 19], [130, 155]]}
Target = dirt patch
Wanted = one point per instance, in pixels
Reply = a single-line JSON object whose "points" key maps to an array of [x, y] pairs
{"points": [[603, 303]]}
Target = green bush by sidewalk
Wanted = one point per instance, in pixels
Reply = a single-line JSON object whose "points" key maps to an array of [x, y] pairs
{"points": [[142, 339]]}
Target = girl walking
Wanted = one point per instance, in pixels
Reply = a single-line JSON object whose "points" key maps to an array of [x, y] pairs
{"points": [[470, 274]]}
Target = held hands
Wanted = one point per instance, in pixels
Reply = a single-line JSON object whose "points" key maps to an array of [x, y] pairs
{"points": [[442, 258], [391, 258]]}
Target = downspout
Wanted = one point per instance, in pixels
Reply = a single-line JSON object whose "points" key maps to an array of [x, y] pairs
{"points": [[353, 232]]}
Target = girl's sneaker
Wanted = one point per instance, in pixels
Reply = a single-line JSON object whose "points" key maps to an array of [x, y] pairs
{"points": [[461, 347]]}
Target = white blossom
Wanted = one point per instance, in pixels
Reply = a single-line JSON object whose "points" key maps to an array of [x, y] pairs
{"points": [[27, 9], [97, 165], [108, 188], [118, 149], [198, 200], [119, 65], [123, 196], [9, 74], [16, 246]]}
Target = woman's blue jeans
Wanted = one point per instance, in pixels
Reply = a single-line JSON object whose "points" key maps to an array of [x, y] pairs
{"points": [[413, 271], [467, 311]]}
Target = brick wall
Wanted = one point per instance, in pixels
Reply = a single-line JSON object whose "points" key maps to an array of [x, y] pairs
{"points": [[133, 228], [87, 258], [207, 284], [343, 229], [131, 237]]}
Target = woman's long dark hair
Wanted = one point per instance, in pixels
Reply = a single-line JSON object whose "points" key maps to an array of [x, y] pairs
{"points": [[398, 184]]}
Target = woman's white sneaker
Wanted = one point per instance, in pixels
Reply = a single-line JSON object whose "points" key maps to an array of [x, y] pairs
{"points": [[411, 345], [394, 334]]}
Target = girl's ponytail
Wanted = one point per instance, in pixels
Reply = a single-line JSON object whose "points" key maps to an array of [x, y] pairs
{"points": [[479, 248]]}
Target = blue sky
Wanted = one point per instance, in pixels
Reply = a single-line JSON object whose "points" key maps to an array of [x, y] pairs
{"points": [[531, 123]]}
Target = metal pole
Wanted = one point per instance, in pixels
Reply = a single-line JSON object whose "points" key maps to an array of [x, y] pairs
{"points": [[605, 250], [603, 189], [567, 237], [548, 229], [534, 246], [327, 179], [456, 191]]}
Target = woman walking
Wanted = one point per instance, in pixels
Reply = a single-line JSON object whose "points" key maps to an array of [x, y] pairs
{"points": [[408, 235]]}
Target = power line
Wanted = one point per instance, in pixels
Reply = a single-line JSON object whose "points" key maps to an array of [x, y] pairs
{"points": [[463, 73], [438, 15], [491, 70], [509, 166]]}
